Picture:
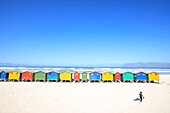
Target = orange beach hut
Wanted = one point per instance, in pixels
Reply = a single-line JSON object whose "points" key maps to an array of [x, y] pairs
{"points": [[117, 76], [77, 76], [27, 76]]}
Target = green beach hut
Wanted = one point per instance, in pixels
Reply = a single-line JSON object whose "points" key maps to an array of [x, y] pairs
{"points": [[128, 76], [40, 76], [84, 77]]}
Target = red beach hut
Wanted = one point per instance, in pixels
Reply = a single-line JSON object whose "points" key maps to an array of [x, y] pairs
{"points": [[77, 77], [117, 76], [27, 76]]}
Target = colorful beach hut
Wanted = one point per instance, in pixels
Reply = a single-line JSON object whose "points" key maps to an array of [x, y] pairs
{"points": [[107, 76], [84, 77], [40, 76], [14, 75], [27, 76], [141, 76], [77, 77], [66, 76], [128, 76], [95, 76], [153, 76], [53, 76], [3, 76], [117, 77]]}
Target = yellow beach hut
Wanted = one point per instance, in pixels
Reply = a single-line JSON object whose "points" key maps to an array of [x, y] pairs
{"points": [[107, 76], [153, 76], [14, 75], [66, 76]]}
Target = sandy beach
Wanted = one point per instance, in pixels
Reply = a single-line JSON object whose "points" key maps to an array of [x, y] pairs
{"points": [[39, 97]]}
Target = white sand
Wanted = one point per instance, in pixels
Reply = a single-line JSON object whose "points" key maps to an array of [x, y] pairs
{"points": [[27, 97]]}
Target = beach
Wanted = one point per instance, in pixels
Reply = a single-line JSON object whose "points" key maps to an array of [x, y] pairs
{"points": [[40, 97], [84, 56]]}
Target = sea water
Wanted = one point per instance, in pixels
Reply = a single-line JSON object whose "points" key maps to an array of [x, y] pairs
{"points": [[161, 70]]}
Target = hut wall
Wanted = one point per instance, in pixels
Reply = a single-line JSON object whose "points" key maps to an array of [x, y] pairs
{"points": [[76, 76], [153, 76], [52, 76], [40, 76], [107, 76], [84, 76], [128, 76], [95, 76], [27, 76], [117, 76], [3, 75], [141, 76], [65, 76], [14, 76]]}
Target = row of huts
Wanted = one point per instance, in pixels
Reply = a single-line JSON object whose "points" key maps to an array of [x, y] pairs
{"points": [[85, 77]]}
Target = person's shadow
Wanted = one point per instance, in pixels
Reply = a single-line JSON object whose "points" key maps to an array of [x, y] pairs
{"points": [[136, 99]]}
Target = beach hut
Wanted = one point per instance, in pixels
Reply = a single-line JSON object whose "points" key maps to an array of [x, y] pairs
{"points": [[14, 75], [3, 76], [95, 76], [107, 76], [40, 76], [66, 76], [53, 76], [84, 77], [141, 76], [128, 76], [117, 77], [153, 76], [77, 77], [27, 76]]}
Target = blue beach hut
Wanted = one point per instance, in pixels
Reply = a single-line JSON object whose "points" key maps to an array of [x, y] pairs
{"points": [[3, 75], [141, 76], [53, 76], [95, 76]]}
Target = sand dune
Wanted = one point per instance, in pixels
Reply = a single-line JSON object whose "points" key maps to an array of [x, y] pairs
{"points": [[35, 97]]}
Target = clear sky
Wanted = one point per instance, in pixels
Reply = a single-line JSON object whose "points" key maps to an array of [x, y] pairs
{"points": [[84, 32]]}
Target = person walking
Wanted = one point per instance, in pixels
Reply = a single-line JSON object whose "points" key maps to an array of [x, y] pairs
{"points": [[141, 96]]}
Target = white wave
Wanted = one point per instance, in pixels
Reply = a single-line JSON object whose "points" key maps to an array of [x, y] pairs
{"points": [[121, 70]]}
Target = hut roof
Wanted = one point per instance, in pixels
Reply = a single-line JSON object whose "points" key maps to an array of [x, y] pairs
{"points": [[141, 72], [153, 72], [15, 72], [40, 72], [27, 72], [107, 72], [95, 72], [66, 72], [53, 72], [127, 72], [117, 73], [2, 72]]}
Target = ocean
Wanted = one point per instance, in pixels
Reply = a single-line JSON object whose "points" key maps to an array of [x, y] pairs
{"points": [[161, 70]]}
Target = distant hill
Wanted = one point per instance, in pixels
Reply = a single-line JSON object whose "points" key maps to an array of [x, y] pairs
{"points": [[151, 64]]}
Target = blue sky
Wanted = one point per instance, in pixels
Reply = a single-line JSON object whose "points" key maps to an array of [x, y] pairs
{"points": [[84, 32]]}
